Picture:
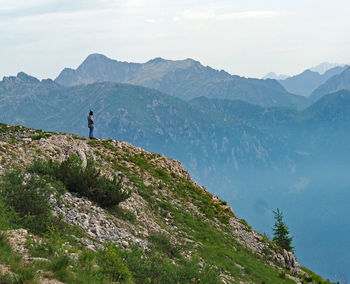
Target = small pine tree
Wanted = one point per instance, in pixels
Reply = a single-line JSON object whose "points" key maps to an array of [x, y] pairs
{"points": [[281, 232]]}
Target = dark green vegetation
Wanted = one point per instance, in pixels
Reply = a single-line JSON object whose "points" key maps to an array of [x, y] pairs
{"points": [[281, 232], [86, 181], [25, 200], [108, 265], [28, 200], [185, 79], [25, 203]]}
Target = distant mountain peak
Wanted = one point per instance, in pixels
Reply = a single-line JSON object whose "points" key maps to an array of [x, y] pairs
{"points": [[308, 71], [96, 56], [27, 78], [156, 60], [20, 78], [336, 83], [309, 80], [192, 61], [273, 75], [324, 67], [187, 61]]}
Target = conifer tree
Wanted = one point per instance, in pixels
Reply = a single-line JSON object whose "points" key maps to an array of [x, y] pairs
{"points": [[281, 232]]}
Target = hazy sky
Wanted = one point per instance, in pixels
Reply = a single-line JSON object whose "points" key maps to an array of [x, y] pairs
{"points": [[244, 37]]}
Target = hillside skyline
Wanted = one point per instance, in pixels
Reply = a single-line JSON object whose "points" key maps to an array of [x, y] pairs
{"points": [[269, 75]]}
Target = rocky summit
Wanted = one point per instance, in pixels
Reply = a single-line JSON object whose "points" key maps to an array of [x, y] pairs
{"points": [[158, 225]]}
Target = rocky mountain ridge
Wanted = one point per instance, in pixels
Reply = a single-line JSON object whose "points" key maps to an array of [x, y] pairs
{"points": [[185, 79], [163, 200], [308, 81], [341, 81]]}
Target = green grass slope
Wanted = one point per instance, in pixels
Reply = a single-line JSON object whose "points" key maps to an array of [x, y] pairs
{"points": [[103, 211]]}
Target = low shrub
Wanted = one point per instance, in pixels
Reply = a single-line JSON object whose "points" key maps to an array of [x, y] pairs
{"points": [[86, 181], [161, 174], [161, 242], [6, 215], [44, 168], [60, 263], [40, 135], [25, 275], [159, 269], [108, 192], [112, 264], [224, 219], [29, 198], [124, 214]]}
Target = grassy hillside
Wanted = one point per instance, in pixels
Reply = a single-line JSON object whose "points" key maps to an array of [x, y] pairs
{"points": [[103, 211]]}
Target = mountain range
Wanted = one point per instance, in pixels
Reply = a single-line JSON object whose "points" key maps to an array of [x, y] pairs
{"points": [[257, 158], [188, 79], [338, 82], [306, 82], [185, 79], [324, 67]]}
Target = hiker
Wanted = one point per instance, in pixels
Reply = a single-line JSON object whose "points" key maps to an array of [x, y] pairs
{"points": [[91, 124]]}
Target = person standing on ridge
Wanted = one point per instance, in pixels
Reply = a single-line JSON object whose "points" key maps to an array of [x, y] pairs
{"points": [[91, 124]]}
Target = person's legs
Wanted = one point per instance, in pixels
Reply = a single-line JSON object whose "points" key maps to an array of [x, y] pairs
{"points": [[91, 134]]}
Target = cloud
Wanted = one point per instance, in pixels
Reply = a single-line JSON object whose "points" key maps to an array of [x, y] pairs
{"points": [[10, 5], [28, 8], [214, 16], [299, 186]]}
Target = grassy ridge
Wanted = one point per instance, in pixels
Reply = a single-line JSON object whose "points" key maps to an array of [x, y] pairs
{"points": [[194, 242]]}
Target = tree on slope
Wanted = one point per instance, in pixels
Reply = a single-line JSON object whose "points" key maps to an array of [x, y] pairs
{"points": [[281, 232]]}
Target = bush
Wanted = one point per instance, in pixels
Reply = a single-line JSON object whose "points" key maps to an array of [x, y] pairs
{"points": [[162, 243], [29, 198], [158, 269], [47, 168], [112, 264], [86, 181], [6, 215], [60, 263], [124, 214], [75, 177], [108, 192], [40, 135]]}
